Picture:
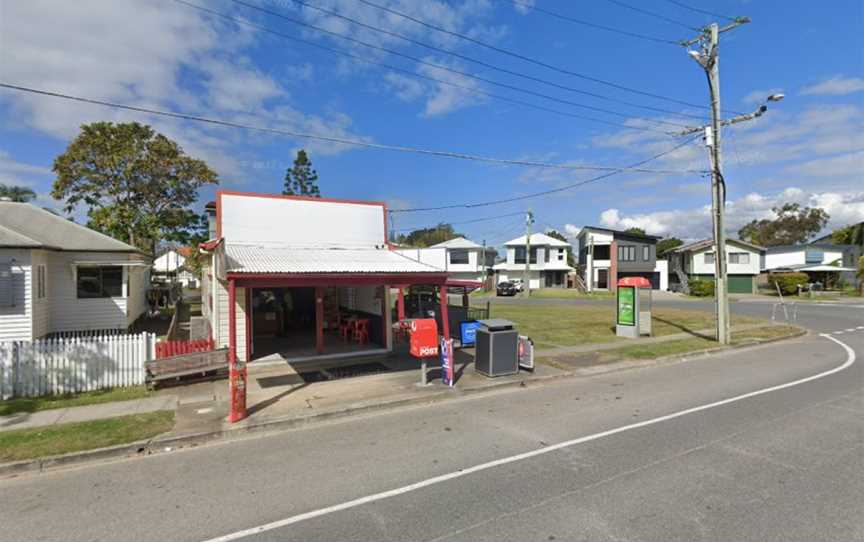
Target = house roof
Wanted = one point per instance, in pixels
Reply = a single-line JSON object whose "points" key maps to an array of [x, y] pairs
{"points": [[266, 259], [619, 233], [813, 267], [538, 239], [23, 225], [458, 242], [708, 243], [809, 246]]}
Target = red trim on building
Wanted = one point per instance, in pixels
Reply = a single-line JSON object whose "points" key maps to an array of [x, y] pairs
{"points": [[248, 324]]}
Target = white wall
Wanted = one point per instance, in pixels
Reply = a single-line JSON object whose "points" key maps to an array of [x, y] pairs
{"points": [[221, 331], [699, 266], [554, 264], [662, 267], [256, 219], [798, 257], [16, 323]]}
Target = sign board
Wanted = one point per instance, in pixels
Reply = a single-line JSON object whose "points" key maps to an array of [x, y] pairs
{"points": [[468, 332], [525, 353], [626, 305], [447, 361]]}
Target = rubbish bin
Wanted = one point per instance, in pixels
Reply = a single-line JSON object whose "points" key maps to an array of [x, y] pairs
{"points": [[495, 352], [634, 307]]}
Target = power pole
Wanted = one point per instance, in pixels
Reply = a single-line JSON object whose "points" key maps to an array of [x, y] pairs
{"points": [[709, 59], [526, 284]]}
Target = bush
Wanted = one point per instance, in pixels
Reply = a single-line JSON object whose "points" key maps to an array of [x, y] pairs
{"points": [[788, 282], [702, 287]]}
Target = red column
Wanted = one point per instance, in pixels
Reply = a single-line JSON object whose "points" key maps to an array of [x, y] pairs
{"points": [[445, 320], [319, 319], [236, 368], [400, 304]]}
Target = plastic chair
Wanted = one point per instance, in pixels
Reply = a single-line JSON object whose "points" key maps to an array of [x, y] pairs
{"points": [[346, 328], [361, 330]]}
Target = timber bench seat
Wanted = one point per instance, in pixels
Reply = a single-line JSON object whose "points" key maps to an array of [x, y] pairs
{"points": [[195, 363]]}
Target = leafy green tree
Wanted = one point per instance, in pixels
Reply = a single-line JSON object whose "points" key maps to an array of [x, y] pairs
{"points": [[555, 234], [635, 231], [17, 193], [793, 225], [426, 237], [137, 184], [667, 244], [850, 235], [301, 179]]}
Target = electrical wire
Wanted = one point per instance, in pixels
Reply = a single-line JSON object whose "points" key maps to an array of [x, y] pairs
{"points": [[654, 15], [553, 190], [568, 18], [450, 83], [702, 11], [480, 62], [332, 139]]}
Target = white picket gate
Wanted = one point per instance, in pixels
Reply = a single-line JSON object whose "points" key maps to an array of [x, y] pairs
{"points": [[73, 365]]}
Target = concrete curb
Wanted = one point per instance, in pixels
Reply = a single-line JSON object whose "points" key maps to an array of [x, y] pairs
{"points": [[170, 443]]}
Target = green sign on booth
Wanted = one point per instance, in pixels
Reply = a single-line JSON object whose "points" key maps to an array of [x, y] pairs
{"points": [[626, 305]]}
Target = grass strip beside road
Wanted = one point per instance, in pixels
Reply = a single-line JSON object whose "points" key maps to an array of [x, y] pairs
{"points": [[75, 437], [667, 348], [35, 404]]}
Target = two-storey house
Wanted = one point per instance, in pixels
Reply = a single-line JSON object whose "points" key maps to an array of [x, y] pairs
{"points": [[608, 255], [547, 261], [696, 261], [462, 258]]}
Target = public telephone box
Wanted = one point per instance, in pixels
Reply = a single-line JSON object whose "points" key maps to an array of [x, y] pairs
{"points": [[634, 307]]}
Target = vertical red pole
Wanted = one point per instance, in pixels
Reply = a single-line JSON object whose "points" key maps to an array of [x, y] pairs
{"points": [[400, 304], [445, 319], [319, 319], [236, 369]]}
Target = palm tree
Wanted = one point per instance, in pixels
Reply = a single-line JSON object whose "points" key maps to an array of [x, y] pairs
{"points": [[17, 193]]}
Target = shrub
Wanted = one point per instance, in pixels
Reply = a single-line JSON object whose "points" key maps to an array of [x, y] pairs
{"points": [[788, 282], [702, 287]]}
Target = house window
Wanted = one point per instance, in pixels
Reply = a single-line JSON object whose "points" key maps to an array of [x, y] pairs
{"points": [[458, 256], [519, 255], [40, 282], [739, 257], [100, 282], [626, 253], [601, 252], [709, 257], [646, 253], [813, 256], [561, 254]]}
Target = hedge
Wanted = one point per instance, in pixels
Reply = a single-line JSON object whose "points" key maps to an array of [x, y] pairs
{"points": [[702, 287], [788, 282]]}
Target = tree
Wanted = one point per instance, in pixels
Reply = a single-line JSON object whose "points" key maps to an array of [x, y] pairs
{"points": [[426, 237], [664, 246], [138, 185], [301, 179], [555, 234], [850, 235], [635, 231], [17, 193], [861, 276], [793, 225]]}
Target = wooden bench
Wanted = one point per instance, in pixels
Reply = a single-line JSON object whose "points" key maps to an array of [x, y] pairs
{"points": [[196, 363]]}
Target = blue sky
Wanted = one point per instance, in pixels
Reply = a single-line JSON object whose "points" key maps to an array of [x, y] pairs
{"points": [[161, 54]]}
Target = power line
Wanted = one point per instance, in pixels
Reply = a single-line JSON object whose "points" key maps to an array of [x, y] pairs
{"points": [[652, 14], [553, 190], [444, 222], [486, 64], [702, 11], [450, 83], [333, 139], [582, 22], [490, 46]]}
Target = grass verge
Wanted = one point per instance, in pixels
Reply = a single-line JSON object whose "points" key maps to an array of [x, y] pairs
{"points": [[35, 404], [64, 438]]}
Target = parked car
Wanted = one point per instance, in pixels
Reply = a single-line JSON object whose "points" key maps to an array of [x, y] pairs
{"points": [[518, 284], [506, 288]]}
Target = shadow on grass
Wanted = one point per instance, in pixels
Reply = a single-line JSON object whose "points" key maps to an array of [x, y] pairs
{"points": [[684, 328]]}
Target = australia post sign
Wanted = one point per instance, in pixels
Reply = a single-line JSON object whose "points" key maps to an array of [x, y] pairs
{"points": [[424, 338]]}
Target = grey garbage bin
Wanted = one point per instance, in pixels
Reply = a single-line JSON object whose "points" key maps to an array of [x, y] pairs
{"points": [[495, 352]]}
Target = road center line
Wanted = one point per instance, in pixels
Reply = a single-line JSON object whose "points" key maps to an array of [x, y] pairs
{"points": [[850, 359]]}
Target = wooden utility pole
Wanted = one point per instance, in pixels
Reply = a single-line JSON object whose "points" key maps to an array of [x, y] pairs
{"points": [[526, 276]]}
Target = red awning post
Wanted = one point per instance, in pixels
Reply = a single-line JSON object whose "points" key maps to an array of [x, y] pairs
{"points": [[400, 304], [236, 368], [319, 319], [445, 320]]}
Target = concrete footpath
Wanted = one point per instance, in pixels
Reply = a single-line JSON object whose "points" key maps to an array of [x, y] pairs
{"points": [[29, 420]]}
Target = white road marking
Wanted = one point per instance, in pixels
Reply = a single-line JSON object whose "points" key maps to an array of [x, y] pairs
{"points": [[850, 359], [850, 330], [838, 333]]}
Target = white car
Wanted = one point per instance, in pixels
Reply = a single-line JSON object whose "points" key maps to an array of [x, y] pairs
{"points": [[518, 284]]}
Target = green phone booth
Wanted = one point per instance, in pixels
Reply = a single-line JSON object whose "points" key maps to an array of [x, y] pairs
{"points": [[634, 307]]}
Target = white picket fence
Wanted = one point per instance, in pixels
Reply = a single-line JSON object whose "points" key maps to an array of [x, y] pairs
{"points": [[73, 365]]}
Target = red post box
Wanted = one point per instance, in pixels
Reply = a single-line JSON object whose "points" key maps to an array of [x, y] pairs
{"points": [[424, 338]]}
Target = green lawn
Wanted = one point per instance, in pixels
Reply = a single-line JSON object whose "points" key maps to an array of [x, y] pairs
{"points": [[553, 293], [74, 437], [35, 404], [571, 325]]}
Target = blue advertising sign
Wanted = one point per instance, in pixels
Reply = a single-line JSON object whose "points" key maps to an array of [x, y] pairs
{"points": [[446, 361], [468, 332]]}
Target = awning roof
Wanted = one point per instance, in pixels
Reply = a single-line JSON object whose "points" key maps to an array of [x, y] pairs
{"points": [[814, 268], [263, 259]]}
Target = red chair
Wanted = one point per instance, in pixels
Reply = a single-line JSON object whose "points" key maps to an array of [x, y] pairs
{"points": [[361, 330], [346, 329]]}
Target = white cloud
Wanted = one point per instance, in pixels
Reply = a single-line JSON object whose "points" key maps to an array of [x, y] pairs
{"points": [[524, 6], [17, 173], [695, 223], [835, 86], [572, 230], [851, 164], [759, 96], [439, 98]]}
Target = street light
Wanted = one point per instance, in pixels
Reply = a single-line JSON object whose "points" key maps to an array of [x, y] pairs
{"points": [[776, 97]]}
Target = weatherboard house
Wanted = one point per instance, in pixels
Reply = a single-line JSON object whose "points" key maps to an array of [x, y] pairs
{"points": [[288, 274], [547, 261], [57, 276]]}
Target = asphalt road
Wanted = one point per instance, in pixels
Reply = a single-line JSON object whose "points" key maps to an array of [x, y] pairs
{"points": [[759, 444]]}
